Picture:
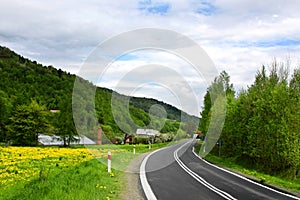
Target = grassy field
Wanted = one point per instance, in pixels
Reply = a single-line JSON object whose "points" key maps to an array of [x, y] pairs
{"points": [[65, 173], [292, 185]]}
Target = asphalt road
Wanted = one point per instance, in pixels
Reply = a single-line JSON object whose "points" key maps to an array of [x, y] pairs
{"points": [[176, 172]]}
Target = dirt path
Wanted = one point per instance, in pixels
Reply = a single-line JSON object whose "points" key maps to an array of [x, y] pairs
{"points": [[133, 188]]}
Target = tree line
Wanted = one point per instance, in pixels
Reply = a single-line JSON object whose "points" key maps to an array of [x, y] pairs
{"points": [[29, 90], [262, 125]]}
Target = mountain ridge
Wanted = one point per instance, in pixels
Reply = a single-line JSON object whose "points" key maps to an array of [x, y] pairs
{"points": [[23, 80]]}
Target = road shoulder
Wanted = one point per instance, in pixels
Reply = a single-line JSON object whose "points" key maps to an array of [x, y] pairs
{"points": [[133, 188]]}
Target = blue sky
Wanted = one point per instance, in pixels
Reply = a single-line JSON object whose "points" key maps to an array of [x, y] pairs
{"points": [[276, 43], [239, 36], [150, 7], [279, 43], [206, 8]]}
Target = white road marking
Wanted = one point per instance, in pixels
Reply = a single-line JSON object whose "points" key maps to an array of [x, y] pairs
{"points": [[200, 179], [151, 196], [145, 185], [244, 178]]}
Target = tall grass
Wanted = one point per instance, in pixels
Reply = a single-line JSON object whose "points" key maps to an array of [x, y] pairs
{"points": [[85, 180]]}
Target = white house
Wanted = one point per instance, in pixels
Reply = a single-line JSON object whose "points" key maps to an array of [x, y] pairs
{"points": [[147, 132]]}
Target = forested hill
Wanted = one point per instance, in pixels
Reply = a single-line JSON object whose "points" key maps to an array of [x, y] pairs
{"points": [[146, 103], [24, 81]]}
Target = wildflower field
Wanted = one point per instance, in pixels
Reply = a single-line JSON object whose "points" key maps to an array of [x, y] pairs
{"points": [[24, 163], [65, 173], [56, 173]]}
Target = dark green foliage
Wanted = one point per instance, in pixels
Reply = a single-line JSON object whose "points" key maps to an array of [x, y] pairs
{"points": [[5, 110], [24, 81], [64, 122], [262, 126], [170, 126], [27, 122], [145, 104], [205, 114], [219, 88], [140, 140]]}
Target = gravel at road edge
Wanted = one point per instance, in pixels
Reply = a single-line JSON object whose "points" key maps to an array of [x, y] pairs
{"points": [[133, 188]]}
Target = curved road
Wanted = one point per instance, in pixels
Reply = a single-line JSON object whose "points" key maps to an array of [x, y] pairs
{"points": [[176, 172]]}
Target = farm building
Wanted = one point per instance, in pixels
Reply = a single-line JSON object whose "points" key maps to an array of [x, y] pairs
{"points": [[54, 140], [147, 132]]}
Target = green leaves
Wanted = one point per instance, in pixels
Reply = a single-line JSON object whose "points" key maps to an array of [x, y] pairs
{"points": [[262, 124], [23, 81], [27, 122], [5, 110]]}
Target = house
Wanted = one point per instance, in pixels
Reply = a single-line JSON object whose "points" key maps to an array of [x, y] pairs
{"points": [[147, 132], [129, 139], [55, 140]]}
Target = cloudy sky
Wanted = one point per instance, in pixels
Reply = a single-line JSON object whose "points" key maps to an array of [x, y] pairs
{"points": [[238, 36]]}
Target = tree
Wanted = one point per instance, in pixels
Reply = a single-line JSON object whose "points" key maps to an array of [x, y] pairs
{"points": [[262, 124], [293, 151], [25, 80], [220, 87], [27, 122], [5, 109], [205, 114], [65, 124]]}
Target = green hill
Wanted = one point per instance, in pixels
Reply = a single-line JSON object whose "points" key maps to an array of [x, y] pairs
{"points": [[24, 81]]}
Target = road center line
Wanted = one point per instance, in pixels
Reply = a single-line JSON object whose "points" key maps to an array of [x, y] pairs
{"points": [[200, 179]]}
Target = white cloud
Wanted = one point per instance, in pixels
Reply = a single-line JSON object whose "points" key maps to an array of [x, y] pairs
{"points": [[239, 36], [171, 79]]}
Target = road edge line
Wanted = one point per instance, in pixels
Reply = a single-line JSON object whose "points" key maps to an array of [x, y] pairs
{"points": [[198, 178], [244, 178], [145, 184]]}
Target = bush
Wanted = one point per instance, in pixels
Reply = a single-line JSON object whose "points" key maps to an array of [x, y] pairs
{"points": [[140, 140], [166, 137], [118, 140]]}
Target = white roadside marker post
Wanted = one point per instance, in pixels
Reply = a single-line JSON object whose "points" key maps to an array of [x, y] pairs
{"points": [[109, 161], [133, 149]]}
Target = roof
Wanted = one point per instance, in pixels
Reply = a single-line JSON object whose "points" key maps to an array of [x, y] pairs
{"points": [[147, 132], [57, 140]]}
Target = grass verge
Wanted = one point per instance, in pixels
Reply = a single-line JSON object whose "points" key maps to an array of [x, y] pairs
{"points": [[122, 155], [85, 180]]}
